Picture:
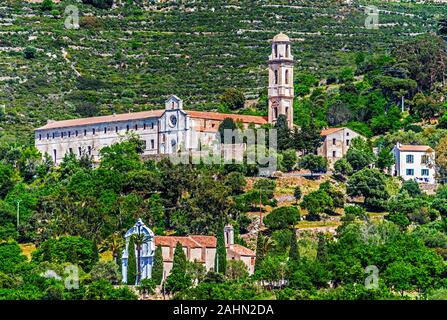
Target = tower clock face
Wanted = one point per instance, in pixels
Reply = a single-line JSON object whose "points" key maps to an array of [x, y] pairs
{"points": [[173, 121]]}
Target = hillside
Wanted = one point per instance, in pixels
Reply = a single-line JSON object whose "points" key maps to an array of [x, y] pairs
{"points": [[132, 56]]}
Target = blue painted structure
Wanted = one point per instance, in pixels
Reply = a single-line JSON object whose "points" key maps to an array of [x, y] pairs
{"points": [[147, 251]]}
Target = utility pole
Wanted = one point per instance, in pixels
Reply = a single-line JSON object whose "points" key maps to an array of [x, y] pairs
{"points": [[18, 212], [260, 207]]}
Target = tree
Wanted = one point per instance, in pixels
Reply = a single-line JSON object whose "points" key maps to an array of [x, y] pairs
{"points": [[371, 184], [113, 243], [313, 163], [425, 107], [385, 159], [322, 251], [178, 279], [131, 263], [260, 252], [282, 218], [139, 240], [441, 157], [227, 124], [101, 4], [399, 275], [289, 159], [297, 193], [7, 179], [10, 257], [294, 254], [424, 57], [233, 99], [71, 249], [157, 270], [29, 53], [107, 270], [412, 188], [360, 154], [220, 261], [236, 270], [284, 140], [315, 203], [342, 167], [309, 138], [46, 5], [236, 182]]}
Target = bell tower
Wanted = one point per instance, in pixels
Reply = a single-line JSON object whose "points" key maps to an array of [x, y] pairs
{"points": [[280, 90]]}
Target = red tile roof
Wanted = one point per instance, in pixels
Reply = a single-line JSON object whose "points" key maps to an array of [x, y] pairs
{"points": [[171, 241], [150, 114], [205, 241], [416, 148], [222, 116], [241, 250], [102, 119], [329, 131]]}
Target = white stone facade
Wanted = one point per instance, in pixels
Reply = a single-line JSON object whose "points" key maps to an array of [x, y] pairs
{"points": [[414, 162]]}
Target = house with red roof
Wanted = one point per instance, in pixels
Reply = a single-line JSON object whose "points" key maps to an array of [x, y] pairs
{"points": [[336, 142], [414, 162]]}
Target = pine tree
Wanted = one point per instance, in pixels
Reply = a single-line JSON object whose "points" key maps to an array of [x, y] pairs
{"points": [[157, 271], [131, 263], [259, 251], [294, 254], [322, 248], [220, 261]]}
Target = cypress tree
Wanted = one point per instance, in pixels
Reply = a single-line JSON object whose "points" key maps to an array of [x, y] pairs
{"points": [[157, 271], [284, 137], [294, 254], [259, 251], [220, 261], [131, 263], [178, 279], [322, 248]]}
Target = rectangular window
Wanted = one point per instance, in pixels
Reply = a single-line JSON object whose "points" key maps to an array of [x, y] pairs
{"points": [[116, 129], [40, 137], [93, 131], [136, 127], [347, 142], [85, 132], [54, 155], [334, 141], [410, 172], [62, 134], [424, 159], [144, 126], [152, 144], [424, 172], [334, 154], [127, 128], [410, 158], [80, 151], [48, 136], [105, 130], [89, 150], [347, 134], [76, 133], [69, 134], [152, 125], [54, 135], [70, 150]]}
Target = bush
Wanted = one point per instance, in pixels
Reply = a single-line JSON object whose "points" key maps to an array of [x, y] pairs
{"points": [[29, 53]]}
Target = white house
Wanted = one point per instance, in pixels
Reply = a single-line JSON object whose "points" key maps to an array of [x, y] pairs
{"points": [[414, 162]]}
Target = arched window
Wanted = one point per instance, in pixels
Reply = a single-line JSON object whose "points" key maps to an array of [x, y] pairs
{"points": [[275, 47], [275, 112], [287, 50], [287, 76], [276, 76]]}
